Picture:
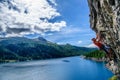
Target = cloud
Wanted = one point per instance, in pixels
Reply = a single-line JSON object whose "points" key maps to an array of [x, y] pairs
{"points": [[21, 17], [53, 2], [79, 42], [91, 46], [73, 29], [50, 34]]}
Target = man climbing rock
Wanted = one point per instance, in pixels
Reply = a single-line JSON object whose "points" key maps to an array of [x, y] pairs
{"points": [[100, 45], [98, 41]]}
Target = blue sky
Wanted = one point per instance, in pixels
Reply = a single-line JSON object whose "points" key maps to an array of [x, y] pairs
{"points": [[76, 15], [59, 21]]}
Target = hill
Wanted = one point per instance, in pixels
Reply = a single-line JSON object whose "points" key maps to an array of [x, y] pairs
{"points": [[21, 48]]}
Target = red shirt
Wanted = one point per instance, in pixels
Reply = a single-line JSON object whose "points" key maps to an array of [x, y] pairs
{"points": [[98, 44]]}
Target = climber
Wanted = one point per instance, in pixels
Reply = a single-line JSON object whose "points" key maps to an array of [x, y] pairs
{"points": [[98, 41], [100, 45]]}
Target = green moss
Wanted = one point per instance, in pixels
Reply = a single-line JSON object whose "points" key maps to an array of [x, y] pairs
{"points": [[113, 78]]}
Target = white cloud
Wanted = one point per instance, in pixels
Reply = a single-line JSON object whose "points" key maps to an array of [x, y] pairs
{"points": [[91, 46], [50, 34], [53, 2], [60, 43], [20, 17], [79, 42]]}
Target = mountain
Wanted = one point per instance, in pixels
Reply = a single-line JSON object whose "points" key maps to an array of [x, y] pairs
{"points": [[21, 48], [41, 39]]}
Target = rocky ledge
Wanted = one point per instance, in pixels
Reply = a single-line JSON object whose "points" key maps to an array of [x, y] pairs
{"points": [[105, 18]]}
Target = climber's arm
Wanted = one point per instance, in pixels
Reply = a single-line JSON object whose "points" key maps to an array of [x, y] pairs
{"points": [[98, 37]]}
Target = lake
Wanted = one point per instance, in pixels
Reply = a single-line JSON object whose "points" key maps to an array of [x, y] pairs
{"points": [[70, 68]]}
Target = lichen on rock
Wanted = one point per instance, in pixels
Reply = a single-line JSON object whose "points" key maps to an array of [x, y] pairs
{"points": [[105, 18]]}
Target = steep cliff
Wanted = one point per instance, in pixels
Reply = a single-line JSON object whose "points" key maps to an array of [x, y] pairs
{"points": [[105, 18]]}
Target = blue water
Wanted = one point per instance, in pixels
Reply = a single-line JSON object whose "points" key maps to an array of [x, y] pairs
{"points": [[72, 68]]}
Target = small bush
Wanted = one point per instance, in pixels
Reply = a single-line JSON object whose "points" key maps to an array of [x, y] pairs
{"points": [[113, 78]]}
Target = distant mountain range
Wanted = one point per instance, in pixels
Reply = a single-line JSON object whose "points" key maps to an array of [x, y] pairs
{"points": [[21, 48]]}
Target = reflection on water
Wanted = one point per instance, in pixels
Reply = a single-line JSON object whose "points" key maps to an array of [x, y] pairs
{"points": [[72, 68]]}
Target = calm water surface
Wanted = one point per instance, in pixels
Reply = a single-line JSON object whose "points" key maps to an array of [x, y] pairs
{"points": [[72, 68]]}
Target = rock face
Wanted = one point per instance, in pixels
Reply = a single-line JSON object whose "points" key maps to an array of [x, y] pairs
{"points": [[105, 18]]}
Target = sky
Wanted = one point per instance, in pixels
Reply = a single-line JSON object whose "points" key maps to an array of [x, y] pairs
{"points": [[59, 21]]}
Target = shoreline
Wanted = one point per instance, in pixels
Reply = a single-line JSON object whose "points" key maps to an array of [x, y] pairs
{"points": [[94, 59]]}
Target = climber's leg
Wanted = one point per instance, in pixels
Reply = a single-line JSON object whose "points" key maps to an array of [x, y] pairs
{"points": [[104, 49]]}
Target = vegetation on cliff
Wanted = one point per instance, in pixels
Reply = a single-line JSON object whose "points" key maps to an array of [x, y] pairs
{"points": [[114, 78]]}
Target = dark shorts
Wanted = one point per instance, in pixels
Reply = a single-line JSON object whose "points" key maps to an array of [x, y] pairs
{"points": [[104, 49]]}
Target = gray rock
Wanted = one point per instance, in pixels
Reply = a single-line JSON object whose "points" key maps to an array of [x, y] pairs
{"points": [[105, 18]]}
